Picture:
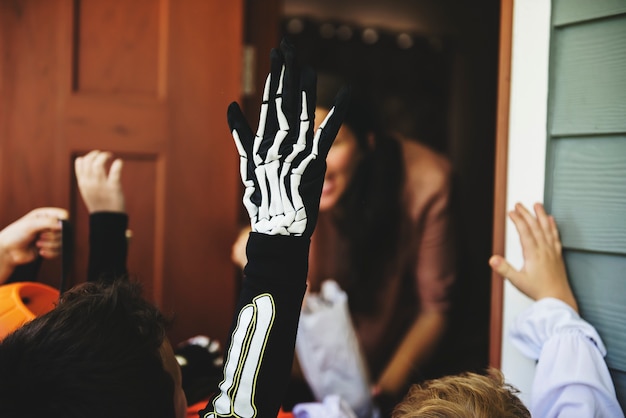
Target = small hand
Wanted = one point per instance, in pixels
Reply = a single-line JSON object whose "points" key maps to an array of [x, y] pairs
{"points": [[36, 233], [543, 274], [100, 191]]}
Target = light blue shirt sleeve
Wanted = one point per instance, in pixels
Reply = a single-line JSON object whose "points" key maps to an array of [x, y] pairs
{"points": [[571, 378]]}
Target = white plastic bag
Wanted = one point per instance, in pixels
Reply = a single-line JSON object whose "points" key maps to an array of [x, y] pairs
{"points": [[331, 407], [329, 352]]}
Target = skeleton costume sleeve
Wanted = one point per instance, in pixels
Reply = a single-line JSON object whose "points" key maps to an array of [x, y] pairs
{"points": [[282, 168], [25, 272], [107, 246]]}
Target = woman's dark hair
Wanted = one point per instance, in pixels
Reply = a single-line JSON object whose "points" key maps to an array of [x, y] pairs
{"points": [[371, 213], [96, 354]]}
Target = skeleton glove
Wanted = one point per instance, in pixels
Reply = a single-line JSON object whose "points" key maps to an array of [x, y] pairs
{"points": [[283, 165]]}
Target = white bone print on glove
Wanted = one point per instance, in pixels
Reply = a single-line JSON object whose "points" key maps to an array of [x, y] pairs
{"points": [[282, 166]]}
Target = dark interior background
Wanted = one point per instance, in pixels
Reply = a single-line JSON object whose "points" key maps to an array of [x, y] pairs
{"points": [[405, 75], [432, 68]]}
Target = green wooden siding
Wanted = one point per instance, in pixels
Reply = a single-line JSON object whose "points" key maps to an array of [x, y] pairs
{"points": [[588, 182], [586, 163], [599, 282], [575, 11], [588, 78]]}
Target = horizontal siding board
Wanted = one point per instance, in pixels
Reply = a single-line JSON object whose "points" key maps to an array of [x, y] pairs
{"points": [[599, 283], [587, 180], [566, 12], [619, 380], [588, 81], [586, 166]]}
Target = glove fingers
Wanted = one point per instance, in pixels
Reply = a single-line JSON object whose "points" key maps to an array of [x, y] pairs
{"points": [[308, 83], [328, 129], [237, 122], [290, 92], [268, 123], [277, 62]]}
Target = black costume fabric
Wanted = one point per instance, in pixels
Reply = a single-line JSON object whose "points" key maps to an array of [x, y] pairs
{"points": [[259, 358], [108, 250], [262, 341], [108, 247], [26, 272]]}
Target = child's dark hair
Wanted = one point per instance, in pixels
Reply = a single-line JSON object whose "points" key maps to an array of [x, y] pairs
{"points": [[96, 354]]}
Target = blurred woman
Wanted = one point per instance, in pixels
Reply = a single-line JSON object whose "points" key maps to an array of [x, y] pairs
{"points": [[384, 235]]}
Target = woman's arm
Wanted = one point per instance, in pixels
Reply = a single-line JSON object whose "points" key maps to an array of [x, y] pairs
{"points": [[417, 345], [434, 276]]}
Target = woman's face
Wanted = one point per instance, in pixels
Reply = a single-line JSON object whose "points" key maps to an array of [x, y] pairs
{"points": [[340, 163]]}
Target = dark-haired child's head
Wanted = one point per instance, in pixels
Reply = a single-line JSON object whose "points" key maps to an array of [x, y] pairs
{"points": [[102, 352]]}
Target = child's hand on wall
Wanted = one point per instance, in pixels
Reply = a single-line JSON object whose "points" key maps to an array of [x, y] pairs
{"points": [[543, 274]]}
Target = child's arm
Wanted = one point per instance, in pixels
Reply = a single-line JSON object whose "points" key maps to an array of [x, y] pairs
{"points": [[36, 234], [572, 378], [282, 168], [104, 198]]}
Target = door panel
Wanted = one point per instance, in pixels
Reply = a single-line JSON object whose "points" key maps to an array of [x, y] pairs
{"points": [[149, 80], [118, 46]]}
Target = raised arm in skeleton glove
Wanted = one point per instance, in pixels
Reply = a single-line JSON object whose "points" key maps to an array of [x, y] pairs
{"points": [[282, 168]]}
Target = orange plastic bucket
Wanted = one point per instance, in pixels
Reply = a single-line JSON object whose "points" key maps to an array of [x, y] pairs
{"points": [[23, 301]]}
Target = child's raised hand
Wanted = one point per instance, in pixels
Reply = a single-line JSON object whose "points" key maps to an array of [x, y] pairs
{"points": [[101, 191]]}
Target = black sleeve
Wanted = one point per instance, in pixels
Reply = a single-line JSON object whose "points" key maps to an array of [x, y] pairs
{"points": [[26, 272], [108, 247], [263, 333]]}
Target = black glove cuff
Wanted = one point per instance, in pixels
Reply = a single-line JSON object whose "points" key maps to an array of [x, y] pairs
{"points": [[108, 246], [278, 258], [105, 221]]}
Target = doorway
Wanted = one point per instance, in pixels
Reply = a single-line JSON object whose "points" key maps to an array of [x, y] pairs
{"points": [[438, 61]]}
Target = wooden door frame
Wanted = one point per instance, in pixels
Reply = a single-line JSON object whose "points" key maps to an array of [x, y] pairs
{"points": [[500, 178]]}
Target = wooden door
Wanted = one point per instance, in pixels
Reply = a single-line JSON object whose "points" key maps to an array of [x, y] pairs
{"points": [[149, 80]]}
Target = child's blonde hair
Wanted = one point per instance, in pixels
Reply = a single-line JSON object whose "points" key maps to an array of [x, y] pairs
{"points": [[467, 395]]}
